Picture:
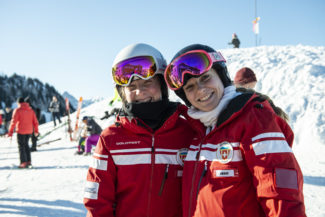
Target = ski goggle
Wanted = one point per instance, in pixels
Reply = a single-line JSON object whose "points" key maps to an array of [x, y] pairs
{"points": [[143, 67], [195, 62]]}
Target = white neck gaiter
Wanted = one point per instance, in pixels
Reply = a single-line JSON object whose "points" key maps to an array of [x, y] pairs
{"points": [[209, 119]]}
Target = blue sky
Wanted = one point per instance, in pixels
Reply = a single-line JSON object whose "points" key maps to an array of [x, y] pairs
{"points": [[71, 44]]}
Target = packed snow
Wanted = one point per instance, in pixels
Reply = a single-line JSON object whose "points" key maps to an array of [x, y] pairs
{"points": [[293, 76]]}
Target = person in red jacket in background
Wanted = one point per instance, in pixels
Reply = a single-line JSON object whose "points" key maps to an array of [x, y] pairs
{"points": [[138, 161], [245, 77], [242, 165], [24, 121]]}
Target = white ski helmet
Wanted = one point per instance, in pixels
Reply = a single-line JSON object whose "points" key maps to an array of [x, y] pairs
{"points": [[138, 50], [141, 49]]}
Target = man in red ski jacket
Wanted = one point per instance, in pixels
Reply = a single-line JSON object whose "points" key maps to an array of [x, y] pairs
{"points": [[24, 121]]}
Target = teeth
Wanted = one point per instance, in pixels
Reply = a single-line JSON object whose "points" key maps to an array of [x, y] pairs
{"points": [[205, 98]]}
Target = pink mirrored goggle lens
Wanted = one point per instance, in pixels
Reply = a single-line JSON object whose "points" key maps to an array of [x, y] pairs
{"points": [[193, 62]]}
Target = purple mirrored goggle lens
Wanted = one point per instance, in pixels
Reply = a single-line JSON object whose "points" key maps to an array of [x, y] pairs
{"points": [[192, 63], [143, 67]]}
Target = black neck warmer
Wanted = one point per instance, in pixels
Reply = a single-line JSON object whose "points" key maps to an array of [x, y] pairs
{"points": [[154, 114]]}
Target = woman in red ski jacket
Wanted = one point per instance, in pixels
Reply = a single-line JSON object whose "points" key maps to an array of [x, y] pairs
{"points": [[138, 162], [242, 165]]}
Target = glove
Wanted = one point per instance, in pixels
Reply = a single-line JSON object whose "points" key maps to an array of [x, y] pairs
{"points": [[9, 134]]}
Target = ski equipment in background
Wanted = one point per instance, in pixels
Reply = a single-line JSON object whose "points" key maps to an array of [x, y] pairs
{"points": [[48, 142], [41, 136], [67, 107], [77, 119]]}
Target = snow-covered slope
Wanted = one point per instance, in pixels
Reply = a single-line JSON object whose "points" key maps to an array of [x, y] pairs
{"points": [[86, 102], [294, 77]]}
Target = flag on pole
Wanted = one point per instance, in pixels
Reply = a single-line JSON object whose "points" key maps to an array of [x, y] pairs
{"points": [[256, 28]]}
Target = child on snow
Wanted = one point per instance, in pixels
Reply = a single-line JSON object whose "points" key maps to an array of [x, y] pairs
{"points": [[90, 136]]}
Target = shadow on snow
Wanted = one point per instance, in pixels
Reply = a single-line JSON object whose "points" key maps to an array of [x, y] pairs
{"points": [[30, 210], [314, 180]]}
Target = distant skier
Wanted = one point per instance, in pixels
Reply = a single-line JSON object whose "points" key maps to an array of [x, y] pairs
{"points": [[7, 118], [235, 41], [54, 108], [94, 131], [24, 121]]}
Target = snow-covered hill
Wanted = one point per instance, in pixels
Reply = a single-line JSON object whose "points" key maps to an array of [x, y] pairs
{"points": [[294, 77], [86, 102]]}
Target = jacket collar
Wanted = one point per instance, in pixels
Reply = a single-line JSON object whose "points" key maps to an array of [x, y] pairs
{"points": [[133, 125], [23, 105], [233, 109]]}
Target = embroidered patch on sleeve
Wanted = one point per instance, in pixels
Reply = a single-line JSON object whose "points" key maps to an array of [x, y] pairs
{"points": [[179, 173], [91, 190], [286, 178]]}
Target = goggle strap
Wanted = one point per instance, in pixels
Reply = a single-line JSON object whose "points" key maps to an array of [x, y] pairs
{"points": [[217, 57]]}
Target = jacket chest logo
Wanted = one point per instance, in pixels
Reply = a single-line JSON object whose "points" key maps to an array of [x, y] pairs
{"points": [[181, 155], [225, 152]]}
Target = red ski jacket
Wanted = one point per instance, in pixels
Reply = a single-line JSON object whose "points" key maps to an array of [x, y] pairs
{"points": [[244, 167], [138, 172], [24, 120]]}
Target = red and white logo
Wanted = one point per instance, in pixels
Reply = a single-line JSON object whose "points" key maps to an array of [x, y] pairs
{"points": [[181, 155], [225, 152]]}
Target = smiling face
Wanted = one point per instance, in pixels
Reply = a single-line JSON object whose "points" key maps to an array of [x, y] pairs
{"points": [[143, 90], [204, 92]]}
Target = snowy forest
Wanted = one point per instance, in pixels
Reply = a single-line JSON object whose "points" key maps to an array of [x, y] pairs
{"points": [[14, 86]]}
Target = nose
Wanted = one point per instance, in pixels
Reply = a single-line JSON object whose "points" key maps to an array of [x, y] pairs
{"points": [[200, 85]]}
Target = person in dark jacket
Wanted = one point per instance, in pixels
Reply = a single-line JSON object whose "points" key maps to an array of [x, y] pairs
{"points": [[7, 118], [235, 41], [25, 122], [54, 108], [93, 130]]}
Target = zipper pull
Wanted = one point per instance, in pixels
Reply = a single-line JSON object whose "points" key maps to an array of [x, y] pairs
{"points": [[197, 155], [152, 144], [205, 168], [204, 172], [164, 179]]}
